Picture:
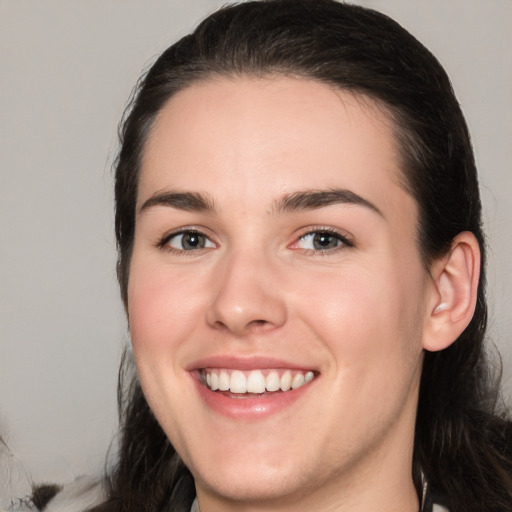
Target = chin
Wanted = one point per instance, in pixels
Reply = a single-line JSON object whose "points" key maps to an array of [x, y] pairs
{"points": [[253, 484], [262, 475]]}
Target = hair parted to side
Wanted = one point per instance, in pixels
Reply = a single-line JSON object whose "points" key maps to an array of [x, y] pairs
{"points": [[461, 447]]}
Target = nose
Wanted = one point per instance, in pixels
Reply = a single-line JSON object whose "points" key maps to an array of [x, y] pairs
{"points": [[247, 296]]}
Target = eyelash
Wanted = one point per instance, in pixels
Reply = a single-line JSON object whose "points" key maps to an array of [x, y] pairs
{"points": [[164, 243], [343, 239]]}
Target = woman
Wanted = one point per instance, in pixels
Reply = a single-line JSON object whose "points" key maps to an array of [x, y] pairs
{"points": [[301, 261]]}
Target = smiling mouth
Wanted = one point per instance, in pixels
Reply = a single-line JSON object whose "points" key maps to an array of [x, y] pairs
{"points": [[255, 382]]}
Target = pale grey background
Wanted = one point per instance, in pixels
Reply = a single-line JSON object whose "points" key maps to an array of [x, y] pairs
{"points": [[67, 68]]}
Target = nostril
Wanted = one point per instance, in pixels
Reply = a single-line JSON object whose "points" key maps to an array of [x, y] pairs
{"points": [[220, 325], [258, 325], [253, 325]]}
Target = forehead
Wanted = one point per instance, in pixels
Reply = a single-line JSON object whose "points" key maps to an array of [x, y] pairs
{"points": [[271, 135]]}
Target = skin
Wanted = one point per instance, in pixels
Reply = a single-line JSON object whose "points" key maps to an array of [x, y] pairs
{"points": [[355, 313]]}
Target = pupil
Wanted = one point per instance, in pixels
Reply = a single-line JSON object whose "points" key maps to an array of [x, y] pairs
{"points": [[193, 241], [324, 241]]}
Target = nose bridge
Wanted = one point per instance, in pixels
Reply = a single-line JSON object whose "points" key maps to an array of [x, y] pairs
{"points": [[246, 293]]}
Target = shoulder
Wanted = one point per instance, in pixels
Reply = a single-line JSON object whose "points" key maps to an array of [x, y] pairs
{"points": [[434, 500], [77, 496]]}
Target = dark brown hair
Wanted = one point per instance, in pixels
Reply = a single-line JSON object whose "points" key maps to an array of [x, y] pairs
{"points": [[461, 446]]}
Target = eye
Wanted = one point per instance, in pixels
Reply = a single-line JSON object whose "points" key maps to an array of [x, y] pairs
{"points": [[321, 241], [189, 240]]}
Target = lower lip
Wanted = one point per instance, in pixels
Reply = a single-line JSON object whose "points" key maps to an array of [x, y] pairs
{"points": [[252, 407]]}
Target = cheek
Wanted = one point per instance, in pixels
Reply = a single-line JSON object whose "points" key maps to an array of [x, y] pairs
{"points": [[162, 308], [372, 315], [162, 316]]}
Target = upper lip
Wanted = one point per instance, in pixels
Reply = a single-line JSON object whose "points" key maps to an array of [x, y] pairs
{"points": [[246, 363]]}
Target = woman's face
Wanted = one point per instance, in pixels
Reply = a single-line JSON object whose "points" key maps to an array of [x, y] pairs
{"points": [[276, 296]]}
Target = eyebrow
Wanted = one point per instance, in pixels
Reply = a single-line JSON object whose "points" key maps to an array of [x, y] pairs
{"points": [[313, 199], [298, 201], [189, 201]]}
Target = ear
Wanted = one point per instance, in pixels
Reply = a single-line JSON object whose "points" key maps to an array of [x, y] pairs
{"points": [[454, 291]]}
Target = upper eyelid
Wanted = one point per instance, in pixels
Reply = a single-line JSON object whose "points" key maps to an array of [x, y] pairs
{"points": [[164, 239], [345, 235], [344, 245]]}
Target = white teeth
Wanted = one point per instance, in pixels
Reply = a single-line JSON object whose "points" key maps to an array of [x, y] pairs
{"points": [[224, 381], [238, 383], [298, 381], [255, 381], [273, 382], [214, 381], [286, 381]]}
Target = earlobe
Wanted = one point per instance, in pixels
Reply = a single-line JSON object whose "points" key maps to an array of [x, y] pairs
{"points": [[454, 292]]}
